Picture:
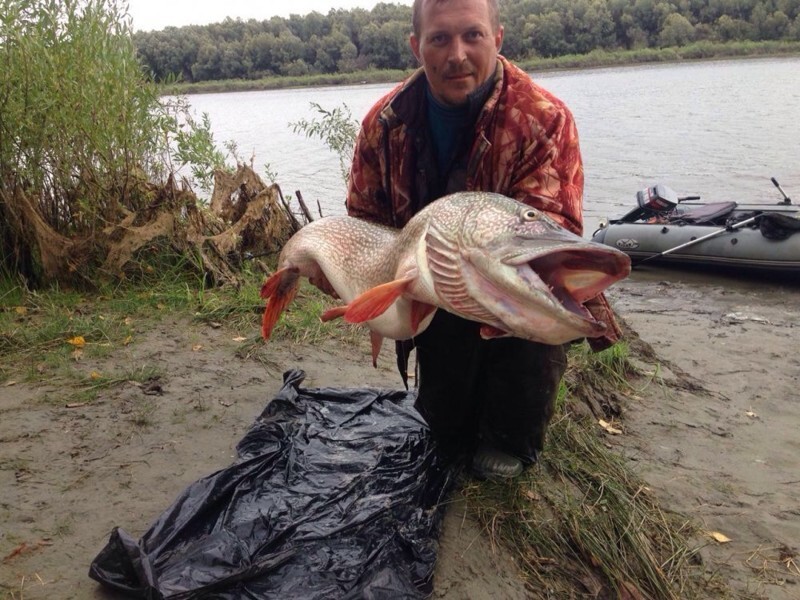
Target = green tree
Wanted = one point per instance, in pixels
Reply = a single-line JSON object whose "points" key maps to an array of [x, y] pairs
{"points": [[587, 25], [514, 15], [311, 24], [769, 26], [296, 68], [728, 29], [677, 31], [386, 46], [649, 16], [599, 25], [209, 62], [546, 34], [260, 50], [793, 32], [329, 50], [289, 51]]}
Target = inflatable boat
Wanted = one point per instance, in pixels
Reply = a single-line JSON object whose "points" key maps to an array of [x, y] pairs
{"points": [[667, 230]]}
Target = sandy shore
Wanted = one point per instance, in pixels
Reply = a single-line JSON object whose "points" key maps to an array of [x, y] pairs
{"points": [[720, 447], [725, 449]]}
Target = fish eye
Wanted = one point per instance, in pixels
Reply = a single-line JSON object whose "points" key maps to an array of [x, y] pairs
{"points": [[529, 215]]}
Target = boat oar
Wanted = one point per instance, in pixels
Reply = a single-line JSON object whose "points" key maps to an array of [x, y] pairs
{"points": [[786, 199], [698, 240]]}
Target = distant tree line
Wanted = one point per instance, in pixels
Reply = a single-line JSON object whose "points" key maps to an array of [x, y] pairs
{"points": [[345, 41]]}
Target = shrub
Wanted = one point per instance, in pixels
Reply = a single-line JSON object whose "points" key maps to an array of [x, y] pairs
{"points": [[82, 128]]}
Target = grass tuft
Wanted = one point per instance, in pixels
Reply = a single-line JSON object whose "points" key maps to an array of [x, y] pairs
{"points": [[581, 522], [38, 329]]}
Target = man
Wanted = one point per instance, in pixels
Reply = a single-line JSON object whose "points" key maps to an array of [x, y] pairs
{"points": [[469, 120]]}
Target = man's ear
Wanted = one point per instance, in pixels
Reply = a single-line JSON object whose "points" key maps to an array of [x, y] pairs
{"points": [[498, 38], [413, 41]]}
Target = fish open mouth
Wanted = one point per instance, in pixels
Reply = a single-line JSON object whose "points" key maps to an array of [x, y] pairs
{"points": [[577, 275]]}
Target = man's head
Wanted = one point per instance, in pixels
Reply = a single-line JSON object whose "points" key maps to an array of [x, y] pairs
{"points": [[456, 42]]}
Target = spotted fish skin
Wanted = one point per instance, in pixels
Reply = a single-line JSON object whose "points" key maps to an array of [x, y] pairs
{"points": [[483, 256]]}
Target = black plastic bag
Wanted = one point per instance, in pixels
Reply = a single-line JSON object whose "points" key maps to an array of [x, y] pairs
{"points": [[336, 493]]}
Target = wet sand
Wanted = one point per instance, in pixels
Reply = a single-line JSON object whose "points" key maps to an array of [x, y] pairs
{"points": [[727, 453]]}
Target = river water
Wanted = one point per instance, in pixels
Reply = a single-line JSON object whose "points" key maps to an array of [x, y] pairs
{"points": [[717, 129]]}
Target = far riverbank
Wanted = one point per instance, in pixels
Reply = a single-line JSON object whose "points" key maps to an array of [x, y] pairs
{"points": [[592, 60]]}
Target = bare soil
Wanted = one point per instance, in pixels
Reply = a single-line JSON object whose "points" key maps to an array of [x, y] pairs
{"points": [[719, 444]]}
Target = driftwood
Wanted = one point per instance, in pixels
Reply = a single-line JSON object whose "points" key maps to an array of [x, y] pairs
{"points": [[303, 206], [59, 257], [286, 207], [244, 216]]}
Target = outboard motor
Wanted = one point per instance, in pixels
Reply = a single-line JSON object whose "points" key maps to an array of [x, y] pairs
{"points": [[657, 198], [654, 200]]}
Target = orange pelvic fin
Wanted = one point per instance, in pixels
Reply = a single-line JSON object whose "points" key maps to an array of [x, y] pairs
{"points": [[375, 301], [281, 289], [376, 340], [333, 313]]}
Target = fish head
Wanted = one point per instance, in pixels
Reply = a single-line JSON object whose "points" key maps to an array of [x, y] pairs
{"points": [[510, 266]]}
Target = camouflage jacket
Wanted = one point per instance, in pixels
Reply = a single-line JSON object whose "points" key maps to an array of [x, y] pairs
{"points": [[525, 146]]}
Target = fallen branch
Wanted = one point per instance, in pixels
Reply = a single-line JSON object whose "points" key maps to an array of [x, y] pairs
{"points": [[303, 206]]}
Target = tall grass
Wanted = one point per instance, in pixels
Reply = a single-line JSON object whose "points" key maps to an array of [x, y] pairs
{"points": [[581, 523]]}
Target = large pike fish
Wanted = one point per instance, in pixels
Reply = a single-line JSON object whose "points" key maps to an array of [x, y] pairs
{"points": [[483, 256]]}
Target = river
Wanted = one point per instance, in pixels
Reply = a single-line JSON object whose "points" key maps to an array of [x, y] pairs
{"points": [[717, 129]]}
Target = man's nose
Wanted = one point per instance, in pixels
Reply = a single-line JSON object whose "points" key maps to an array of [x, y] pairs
{"points": [[458, 51]]}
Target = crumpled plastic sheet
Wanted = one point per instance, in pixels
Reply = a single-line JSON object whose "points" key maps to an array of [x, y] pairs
{"points": [[336, 493]]}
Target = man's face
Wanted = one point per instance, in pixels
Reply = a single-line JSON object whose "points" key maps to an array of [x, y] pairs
{"points": [[457, 46]]}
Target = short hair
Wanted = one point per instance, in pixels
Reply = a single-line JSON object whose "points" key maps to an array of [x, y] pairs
{"points": [[416, 14]]}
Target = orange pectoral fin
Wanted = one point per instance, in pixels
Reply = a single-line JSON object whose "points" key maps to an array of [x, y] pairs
{"points": [[419, 310], [375, 301], [281, 289]]}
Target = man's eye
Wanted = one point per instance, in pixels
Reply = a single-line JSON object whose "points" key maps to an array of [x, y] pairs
{"points": [[473, 35], [439, 39]]}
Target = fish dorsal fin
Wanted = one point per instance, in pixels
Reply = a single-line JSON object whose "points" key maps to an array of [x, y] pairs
{"points": [[375, 301], [281, 289]]}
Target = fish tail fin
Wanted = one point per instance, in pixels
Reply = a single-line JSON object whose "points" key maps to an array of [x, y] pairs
{"points": [[280, 289], [375, 301], [333, 313]]}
